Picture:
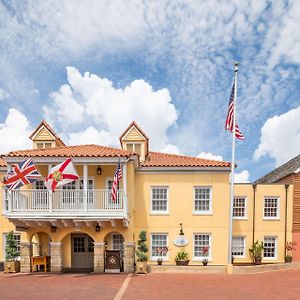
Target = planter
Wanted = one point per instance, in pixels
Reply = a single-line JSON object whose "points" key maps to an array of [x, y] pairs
{"points": [[141, 267], [159, 262], [257, 260], [11, 267], [182, 262], [204, 263], [288, 259]]}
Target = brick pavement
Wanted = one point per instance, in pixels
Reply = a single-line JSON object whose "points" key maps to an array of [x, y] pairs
{"points": [[274, 285]]}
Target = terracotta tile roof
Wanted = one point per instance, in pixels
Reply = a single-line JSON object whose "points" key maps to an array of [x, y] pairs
{"points": [[2, 163], [156, 159], [48, 128], [284, 170], [73, 151]]}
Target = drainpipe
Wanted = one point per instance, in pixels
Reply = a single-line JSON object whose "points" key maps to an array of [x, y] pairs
{"points": [[285, 224], [253, 217]]}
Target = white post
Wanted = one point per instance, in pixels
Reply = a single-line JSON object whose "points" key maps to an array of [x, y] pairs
{"points": [[9, 192], [125, 204], [85, 185], [232, 167], [50, 192]]}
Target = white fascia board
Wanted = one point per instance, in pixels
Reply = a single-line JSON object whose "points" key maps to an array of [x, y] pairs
{"points": [[297, 171]]}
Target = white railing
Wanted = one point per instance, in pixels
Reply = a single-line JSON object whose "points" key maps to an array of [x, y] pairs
{"points": [[62, 201]]}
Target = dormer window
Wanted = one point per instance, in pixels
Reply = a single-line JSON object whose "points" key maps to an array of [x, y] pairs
{"points": [[43, 145], [135, 147]]}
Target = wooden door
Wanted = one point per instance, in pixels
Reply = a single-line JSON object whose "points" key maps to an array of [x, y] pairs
{"points": [[112, 260]]}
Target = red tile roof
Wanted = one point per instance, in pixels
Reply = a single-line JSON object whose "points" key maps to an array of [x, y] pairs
{"points": [[156, 159], [73, 151], [44, 123], [2, 163]]}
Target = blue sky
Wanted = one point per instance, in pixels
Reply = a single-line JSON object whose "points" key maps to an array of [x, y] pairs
{"points": [[91, 67]]}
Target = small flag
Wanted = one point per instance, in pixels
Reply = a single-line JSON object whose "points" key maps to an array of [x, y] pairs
{"points": [[61, 175], [117, 178], [229, 119], [23, 173]]}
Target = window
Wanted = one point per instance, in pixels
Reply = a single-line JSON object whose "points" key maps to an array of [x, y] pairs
{"points": [[135, 147], [238, 246], [202, 246], [17, 237], [158, 240], [271, 208], [239, 207], [43, 145], [270, 247], [202, 200], [117, 242], [40, 197], [159, 199]]}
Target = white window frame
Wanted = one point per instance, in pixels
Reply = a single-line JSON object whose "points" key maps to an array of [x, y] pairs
{"points": [[4, 243], [44, 144], [200, 258], [133, 146], [203, 212], [276, 248], [159, 212], [278, 208], [244, 246], [166, 258], [245, 217]]}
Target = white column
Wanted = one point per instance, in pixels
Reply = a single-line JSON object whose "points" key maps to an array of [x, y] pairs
{"points": [[9, 192], [85, 185], [125, 204], [50, 192]]}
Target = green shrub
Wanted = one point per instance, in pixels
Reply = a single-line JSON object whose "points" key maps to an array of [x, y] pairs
{"points": [[142, 248]]}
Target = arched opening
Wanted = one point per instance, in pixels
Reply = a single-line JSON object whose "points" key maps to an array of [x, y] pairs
{"points": [[114, 252]]}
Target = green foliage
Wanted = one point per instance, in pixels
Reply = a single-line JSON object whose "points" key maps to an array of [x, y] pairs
{"points": [[142, 248], [11, 247], [182, 255], [257, 249]]}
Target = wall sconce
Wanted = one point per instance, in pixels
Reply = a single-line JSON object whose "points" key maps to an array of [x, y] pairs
{"points": [[53, 228], [181, 229], [97, 228], [99, 170]]}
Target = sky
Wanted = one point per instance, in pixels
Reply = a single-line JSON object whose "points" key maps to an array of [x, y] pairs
{"points": [[89, 68]]}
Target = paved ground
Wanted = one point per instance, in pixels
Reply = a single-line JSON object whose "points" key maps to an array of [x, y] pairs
{"points": [[272, 285]]}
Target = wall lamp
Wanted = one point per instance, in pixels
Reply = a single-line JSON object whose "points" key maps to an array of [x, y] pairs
{"points": [[97, 228], [181, 229], [53, 228], [99, 170]]}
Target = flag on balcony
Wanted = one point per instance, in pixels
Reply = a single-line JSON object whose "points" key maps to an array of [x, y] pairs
{"points": [[117, 178], [23, 173], [230, 115], [61, 175]]}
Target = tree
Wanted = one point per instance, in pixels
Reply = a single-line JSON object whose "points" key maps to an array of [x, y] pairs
{"points": [[11, 247]]}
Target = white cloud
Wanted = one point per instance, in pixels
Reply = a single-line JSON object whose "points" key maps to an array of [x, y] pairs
{"points": [[171, 149], [14, 132], [3, 94], [242, 177], [91, 100], [208, 155], [280, 137]]}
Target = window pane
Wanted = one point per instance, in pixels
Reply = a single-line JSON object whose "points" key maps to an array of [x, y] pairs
{"points": [[239, 207], [129, 146], [158, 241], [48, 145], [159, 199], [202, 199], [238, 246], [270, 247], [201, 245], [137, 148], [271, 208]]}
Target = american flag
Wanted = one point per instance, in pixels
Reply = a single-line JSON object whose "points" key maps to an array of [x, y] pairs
{"points": [[22, 174], [229, 119], [117, 178]]}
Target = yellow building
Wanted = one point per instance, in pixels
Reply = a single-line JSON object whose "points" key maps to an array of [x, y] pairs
{"points": [[80, 227]]}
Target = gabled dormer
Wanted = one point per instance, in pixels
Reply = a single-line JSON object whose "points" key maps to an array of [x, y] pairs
{"points": [[134, 139], [45, 137]]}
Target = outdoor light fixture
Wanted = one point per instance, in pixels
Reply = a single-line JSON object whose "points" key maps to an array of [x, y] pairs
{"points": [[99, 170], [97, 228], [53, 228], [181, 229]]}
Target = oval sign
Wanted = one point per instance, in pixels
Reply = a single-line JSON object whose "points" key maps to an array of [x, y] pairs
{"points": [[180, 241]]}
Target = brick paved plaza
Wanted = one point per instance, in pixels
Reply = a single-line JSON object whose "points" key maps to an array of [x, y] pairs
{"points": [[271, 285]]}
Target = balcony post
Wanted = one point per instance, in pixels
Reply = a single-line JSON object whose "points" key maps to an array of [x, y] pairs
{"points": [[85, 181], [50, 192], [125, 207]]}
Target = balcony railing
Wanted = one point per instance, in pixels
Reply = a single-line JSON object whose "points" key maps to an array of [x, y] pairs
{"points": [[63, 202]]}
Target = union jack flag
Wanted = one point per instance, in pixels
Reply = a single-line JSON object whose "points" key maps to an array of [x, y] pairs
{"points": [[23, 173], [117, 178], [229, 119]]}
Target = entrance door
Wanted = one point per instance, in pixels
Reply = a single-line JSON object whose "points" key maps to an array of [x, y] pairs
{"points": [[82, 252]]}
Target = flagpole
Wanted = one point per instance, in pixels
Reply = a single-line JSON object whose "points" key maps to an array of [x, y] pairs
{"points": [[232, 167]]}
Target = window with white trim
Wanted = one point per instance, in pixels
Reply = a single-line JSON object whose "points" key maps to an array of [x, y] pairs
{"points": [[117, 241], [159, 199], [135, 147], [202, 245], [239, 207], [43, 145], [158, 241], [17, 237], [238, 246], [202, 200], [271, 207], [270, 247]]}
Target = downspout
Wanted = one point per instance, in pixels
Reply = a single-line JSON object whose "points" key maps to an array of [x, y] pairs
{"points": [[253, 217], [285, 224]]}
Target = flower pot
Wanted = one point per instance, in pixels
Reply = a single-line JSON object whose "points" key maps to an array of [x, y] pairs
{"points": [[204, 263], [288, 259], [257, 260], [182, 262], [159, 262], [141, 267]]}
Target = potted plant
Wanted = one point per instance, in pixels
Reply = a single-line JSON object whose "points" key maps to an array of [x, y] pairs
{"points": [[141, 257], [204, 252], [11, 249], [162, 252], [289, 247], [256, 252], [182, 258]]}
